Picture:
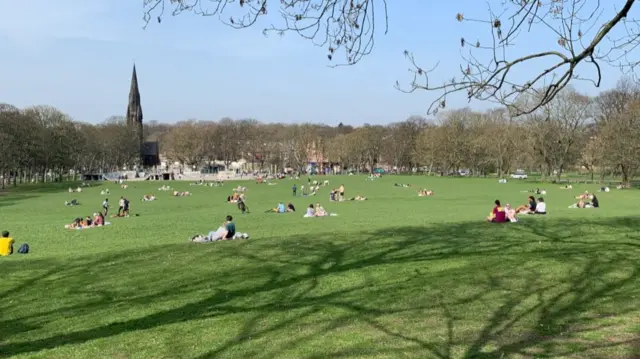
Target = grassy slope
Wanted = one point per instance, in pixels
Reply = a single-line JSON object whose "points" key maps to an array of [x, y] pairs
{"points": [[397, 276]]}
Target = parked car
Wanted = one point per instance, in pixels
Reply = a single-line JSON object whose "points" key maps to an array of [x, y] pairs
{"points": [[519, 174]]}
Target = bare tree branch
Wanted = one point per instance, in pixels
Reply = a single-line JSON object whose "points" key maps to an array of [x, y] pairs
{"points": [[341, 26], [490, 71]]}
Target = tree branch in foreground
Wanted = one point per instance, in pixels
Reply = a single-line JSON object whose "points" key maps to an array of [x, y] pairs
{"points": [[585, 33]]}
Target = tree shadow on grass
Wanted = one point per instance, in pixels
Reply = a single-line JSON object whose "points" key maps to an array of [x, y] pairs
{"points": [[465, 290], [13, 195]]}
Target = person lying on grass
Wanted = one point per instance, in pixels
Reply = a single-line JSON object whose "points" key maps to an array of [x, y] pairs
{"points": [[536, 191], [584, 203], [73, 202], [281, 208], [568, 186], [528, 208], [104, 192], [88, 222], [584, 196], [358, 198], [498, 214], [181, 194], [71, 190], [164, 188], [148, 198], [403, 185], [425, 192], [227, 231]]}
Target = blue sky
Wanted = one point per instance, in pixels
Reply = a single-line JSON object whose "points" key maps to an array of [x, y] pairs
{"points": [[77, 55]]}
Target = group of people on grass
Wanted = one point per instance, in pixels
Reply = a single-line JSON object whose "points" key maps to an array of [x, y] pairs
{"points": [[202, 182], [337, 194], [423, 192], [586, 200], [505, 214], [88, 222], [317, 211]]}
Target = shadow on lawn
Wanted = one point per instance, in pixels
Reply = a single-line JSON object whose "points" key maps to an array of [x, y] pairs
{"points": [[13, 195], [538, 289]]}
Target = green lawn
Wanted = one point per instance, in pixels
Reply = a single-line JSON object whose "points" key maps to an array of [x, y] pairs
{"points": [[397, 276]]}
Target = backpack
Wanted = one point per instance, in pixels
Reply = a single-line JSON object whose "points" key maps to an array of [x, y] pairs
{"points": [[24, 249]]}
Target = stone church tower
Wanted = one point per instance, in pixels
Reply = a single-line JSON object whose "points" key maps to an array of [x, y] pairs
{"points": [[134, 109]]}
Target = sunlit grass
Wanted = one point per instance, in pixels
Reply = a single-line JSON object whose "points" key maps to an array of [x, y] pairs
{"points": [[397, 276]]}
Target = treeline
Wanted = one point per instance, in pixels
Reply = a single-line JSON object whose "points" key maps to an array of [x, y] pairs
{"points": [[43, 144], [599, 135]]}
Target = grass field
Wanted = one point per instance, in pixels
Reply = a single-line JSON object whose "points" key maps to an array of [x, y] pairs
{"points": [[397, 276]]}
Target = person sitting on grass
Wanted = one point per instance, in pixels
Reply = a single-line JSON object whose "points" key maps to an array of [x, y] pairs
{"points": [[104, 192], [320, 212], [311, 212], [148, 198], [6, 244], [226, 232], [98, 219], [568, 186], [529, 208], [498, 214], [511, 213], [541, 208], [290, 207], [73, 202], [605, 189]]}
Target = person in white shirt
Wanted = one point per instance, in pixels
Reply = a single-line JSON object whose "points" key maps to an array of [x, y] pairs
{"points": [[541, 207]]}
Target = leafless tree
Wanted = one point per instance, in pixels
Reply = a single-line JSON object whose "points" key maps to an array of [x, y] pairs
{"points": [[620, 138], [556, 127], [186, 143], [585, 34]]}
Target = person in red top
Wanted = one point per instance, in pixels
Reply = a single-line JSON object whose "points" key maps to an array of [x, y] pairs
{"points": [[498, 215]]}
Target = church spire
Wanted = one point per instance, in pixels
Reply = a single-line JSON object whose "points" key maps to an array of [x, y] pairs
{"points": [[134, 109]]}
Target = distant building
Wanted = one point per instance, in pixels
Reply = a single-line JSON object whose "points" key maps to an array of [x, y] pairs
{"points": [[149, 150]]}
